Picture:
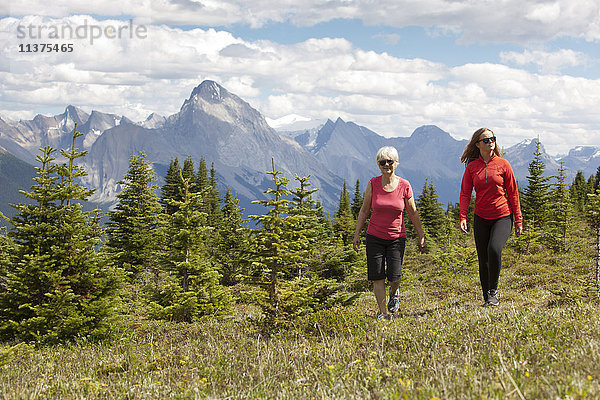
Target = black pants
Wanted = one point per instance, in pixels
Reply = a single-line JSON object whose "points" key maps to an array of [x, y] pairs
{"points": [[384, 258], [490, 237]]}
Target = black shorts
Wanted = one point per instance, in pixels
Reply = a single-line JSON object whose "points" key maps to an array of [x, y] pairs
{"points": [[384, 258]]}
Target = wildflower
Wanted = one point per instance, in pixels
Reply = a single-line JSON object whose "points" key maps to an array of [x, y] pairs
{"points": [[527, 373], [405, 382], [330, 367]]}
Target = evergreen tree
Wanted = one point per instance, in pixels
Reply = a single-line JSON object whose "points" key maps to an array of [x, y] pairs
{"points": [[449, 231], [324, 257], [187, 173], [453, 209], [593, 218], [133, 226], [202, 181], [186, 231], [560, 206], [277, 241], [344, 223], [304, 205], [578, 192], [173, 186], [6, 249], [357, 200], [202, 186], [344, 207], [171, 189], [282, 242], [430, 210], [591, 184], [324, 222], [55, 286], [536, 194], [197, 291], [213, 199], [231, 251]]}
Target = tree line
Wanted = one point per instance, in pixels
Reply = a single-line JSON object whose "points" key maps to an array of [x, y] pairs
{"points": [[183, 251]]}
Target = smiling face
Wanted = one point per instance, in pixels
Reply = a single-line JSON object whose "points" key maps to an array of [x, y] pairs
{"points": [[387, 159], [486, 142]]}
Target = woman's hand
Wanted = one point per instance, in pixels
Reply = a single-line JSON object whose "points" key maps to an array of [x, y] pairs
{"points": [[463, 225], [356, 243], [518, 230], [421, 244]]}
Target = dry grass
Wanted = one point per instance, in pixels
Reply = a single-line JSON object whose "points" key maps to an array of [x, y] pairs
{"points": [[543, 341]]}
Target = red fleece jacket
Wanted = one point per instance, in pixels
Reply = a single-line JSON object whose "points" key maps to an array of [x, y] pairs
{"points": [[496, 190]]}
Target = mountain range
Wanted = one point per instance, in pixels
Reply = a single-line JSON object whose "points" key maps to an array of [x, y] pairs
{"points": [[225, 130]]}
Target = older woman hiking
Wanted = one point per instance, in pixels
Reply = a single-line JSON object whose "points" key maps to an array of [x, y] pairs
{"points": [[496, 206], [388, 196]]}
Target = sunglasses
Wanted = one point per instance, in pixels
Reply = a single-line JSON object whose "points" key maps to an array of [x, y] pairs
{"points": [[388, 162], [488, 139]]}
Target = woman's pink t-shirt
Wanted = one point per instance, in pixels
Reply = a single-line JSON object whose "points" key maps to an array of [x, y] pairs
{"points": [[387, 221]]}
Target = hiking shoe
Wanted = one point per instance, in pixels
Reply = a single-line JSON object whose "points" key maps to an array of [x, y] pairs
{"points": [[493, 297], [383, 317], [393, 304]]}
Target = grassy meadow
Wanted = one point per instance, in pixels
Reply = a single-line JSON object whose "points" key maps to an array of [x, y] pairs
{"points": [[542, 342]]}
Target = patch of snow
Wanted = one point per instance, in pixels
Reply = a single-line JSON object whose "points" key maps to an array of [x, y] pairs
{"points": [[292, 122], [216, 91], [90, 138], [55, 132], [286, 121]]}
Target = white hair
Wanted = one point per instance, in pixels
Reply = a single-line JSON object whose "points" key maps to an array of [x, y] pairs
{"points": [[387, 153]]}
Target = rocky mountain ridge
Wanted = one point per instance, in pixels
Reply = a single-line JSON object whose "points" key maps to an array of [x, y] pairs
{"points": [[225, 130]]}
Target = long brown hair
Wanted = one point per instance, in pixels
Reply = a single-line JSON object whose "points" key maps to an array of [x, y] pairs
{"points": [[472, 151]]}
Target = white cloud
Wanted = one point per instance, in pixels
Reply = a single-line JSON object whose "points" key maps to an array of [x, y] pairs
{"points": [[505, 21], [547, 62], [317, 79], [546, 12]]}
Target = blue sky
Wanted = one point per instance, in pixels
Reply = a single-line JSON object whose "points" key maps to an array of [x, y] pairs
{"points": [[407, 42], [523, 68]]}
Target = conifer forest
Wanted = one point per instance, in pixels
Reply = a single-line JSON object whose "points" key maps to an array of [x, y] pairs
{"points": [[175, 293]]}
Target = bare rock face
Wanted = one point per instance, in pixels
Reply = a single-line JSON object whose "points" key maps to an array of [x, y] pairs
{"points": [[225, 130], [218, 126]]}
